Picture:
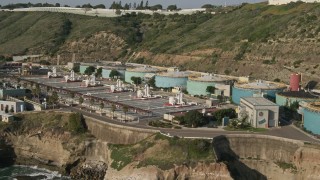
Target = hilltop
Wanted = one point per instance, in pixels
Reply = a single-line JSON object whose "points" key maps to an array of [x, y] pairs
{"points": [[267, 42]]}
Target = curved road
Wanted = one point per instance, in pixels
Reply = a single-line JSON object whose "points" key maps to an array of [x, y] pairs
{"points": [[288, 131]]}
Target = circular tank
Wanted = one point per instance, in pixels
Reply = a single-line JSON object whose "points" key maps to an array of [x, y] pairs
{"points": [[83, 68], [311, 117], [249, 89], [198, 85], [139, 72], [295, 80], [172, 79], [107, 70], [289, 97]]}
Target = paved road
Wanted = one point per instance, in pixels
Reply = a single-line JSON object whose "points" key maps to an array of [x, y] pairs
{"points": [[285, 131]]}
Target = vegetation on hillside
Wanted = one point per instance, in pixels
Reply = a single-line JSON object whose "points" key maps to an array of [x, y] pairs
{"points": [[169, 151]]}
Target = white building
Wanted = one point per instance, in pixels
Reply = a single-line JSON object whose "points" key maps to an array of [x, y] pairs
{"points": [[13, 104], [260, 112], [279, 2]]}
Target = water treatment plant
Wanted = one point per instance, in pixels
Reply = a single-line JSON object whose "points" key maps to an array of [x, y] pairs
{"points": [[311, 117]]}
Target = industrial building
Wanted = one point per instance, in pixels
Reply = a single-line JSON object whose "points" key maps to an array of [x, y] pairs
{"points": [[172, 79], [198, 85], [288, 97], [14, 92], [280, 2], [311, 117], [139, 72], [258, 88], [260, 112], [12, 105]]}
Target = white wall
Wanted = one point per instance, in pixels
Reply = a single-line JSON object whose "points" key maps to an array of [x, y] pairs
{"points": [[279, 2]]}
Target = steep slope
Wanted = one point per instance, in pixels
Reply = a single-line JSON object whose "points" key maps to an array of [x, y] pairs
{"points": [[267, 42]]}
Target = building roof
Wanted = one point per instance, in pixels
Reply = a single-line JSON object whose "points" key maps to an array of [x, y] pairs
{"points": [[261, 85], [208, 78], [146, 69], [259, 101], [176, 74], [300, 94]]}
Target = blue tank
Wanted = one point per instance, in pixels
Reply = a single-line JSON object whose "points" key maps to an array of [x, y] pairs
{"points": [[286, 98], [130, 74], [83, 68], [106, 73], [238, 93], [167, 82], [198, 87], [312, 120]]}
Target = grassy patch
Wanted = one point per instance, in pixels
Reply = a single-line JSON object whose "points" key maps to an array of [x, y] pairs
{"points": [[163, 152], [285, 166]]}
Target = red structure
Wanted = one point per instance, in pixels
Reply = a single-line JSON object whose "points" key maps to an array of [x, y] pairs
{"points": [[295, 80]]}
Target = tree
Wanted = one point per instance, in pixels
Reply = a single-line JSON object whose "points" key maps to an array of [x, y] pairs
{"points": [[57, 5], [208, 6], [125, 110], [172, 8], [101, 105], [218, 115], [194, 119], [156, 7], [81, 100], [53, 99], [12, 110], [210, 89], [113, 108], [99, 6], [152, 82], [6, 109], [91, 102], [114, 73], [147, 5], [99, 72], [118, 12], [136, 80], [126, 6], [72, 95], [89, 70], [76, 123], [76, 69]]}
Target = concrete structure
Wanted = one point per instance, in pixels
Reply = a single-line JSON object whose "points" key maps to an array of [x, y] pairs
{"points": [[288, 97], [6, 117], [311, 117], [261, 112], [12, 105], [139, 72], [280, 2], [198, 85], [266, 88], [172, 79]]}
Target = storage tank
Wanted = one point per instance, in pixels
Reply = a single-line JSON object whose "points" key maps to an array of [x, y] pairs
{"points": [[295, 80], [139, 72], [197, 85], [311, 117], [288, 97], [269, 89], [106, 70], [172, 79]]}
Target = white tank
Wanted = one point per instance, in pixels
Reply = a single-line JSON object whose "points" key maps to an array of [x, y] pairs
{"points": [[171, 100], [139, 94], [66, 78], [112, 88]]}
